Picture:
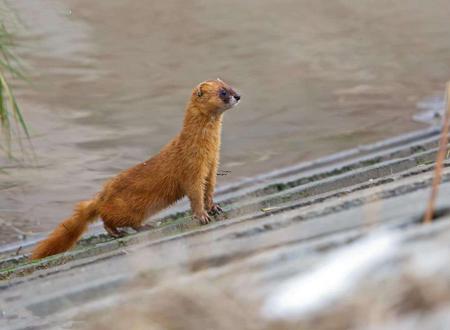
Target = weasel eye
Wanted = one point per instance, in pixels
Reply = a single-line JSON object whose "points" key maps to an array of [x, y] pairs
{"points": [[223, 92]]}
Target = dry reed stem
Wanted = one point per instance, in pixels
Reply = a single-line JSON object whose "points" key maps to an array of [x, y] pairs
{"points": [[439, 160]]}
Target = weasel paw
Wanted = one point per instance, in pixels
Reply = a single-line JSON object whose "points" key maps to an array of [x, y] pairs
{"points": [[203, 218], [215, 209], [114, 232]]}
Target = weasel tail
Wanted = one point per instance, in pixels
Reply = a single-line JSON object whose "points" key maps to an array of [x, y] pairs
{"points": [[68, 232]]}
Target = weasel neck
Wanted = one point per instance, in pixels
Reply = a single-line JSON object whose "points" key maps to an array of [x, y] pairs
{"points": [[198, 127]]}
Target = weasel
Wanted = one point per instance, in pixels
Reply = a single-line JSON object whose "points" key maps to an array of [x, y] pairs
{"points": [[186, 166]]}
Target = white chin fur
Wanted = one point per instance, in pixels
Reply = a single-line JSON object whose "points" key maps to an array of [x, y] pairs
{"points": [[233, 102]]}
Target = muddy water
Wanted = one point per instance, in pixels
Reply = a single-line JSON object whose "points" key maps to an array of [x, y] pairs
{"points": [[112, 78]]}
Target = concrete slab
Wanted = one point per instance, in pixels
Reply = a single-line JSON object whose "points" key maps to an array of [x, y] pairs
{"points": [[284, 224]]}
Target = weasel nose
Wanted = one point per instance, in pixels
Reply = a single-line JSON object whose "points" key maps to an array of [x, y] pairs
{"points": [[237, 97]]}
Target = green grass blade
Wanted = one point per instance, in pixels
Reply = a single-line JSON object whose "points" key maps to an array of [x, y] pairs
{"points": [[10, 112]]}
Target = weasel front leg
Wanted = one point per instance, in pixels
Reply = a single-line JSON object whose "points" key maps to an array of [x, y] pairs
{"points": [[211, 207], [195, 194]]}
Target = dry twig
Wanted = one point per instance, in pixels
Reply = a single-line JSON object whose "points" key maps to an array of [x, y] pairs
{"points": [[439, 160]]}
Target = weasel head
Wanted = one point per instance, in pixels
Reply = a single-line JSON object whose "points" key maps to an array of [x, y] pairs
{"points": [[213, 97]]}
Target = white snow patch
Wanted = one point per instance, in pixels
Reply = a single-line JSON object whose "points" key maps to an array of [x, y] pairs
{"points": [[307, 293]]}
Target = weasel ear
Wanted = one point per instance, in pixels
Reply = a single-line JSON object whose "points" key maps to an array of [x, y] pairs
{"points": [[198, 90]]}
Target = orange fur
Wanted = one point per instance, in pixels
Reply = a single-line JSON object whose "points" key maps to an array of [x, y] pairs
{"points": [[68, 232], [186, 166]]}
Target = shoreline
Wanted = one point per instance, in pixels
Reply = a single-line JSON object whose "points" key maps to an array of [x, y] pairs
{"points": [[225, 190]]}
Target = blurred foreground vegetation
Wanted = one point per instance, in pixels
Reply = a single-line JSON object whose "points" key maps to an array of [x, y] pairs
{"points": [[12, 123]]}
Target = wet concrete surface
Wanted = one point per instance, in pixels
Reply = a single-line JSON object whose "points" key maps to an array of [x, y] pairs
{"points": [[285, 223]]}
